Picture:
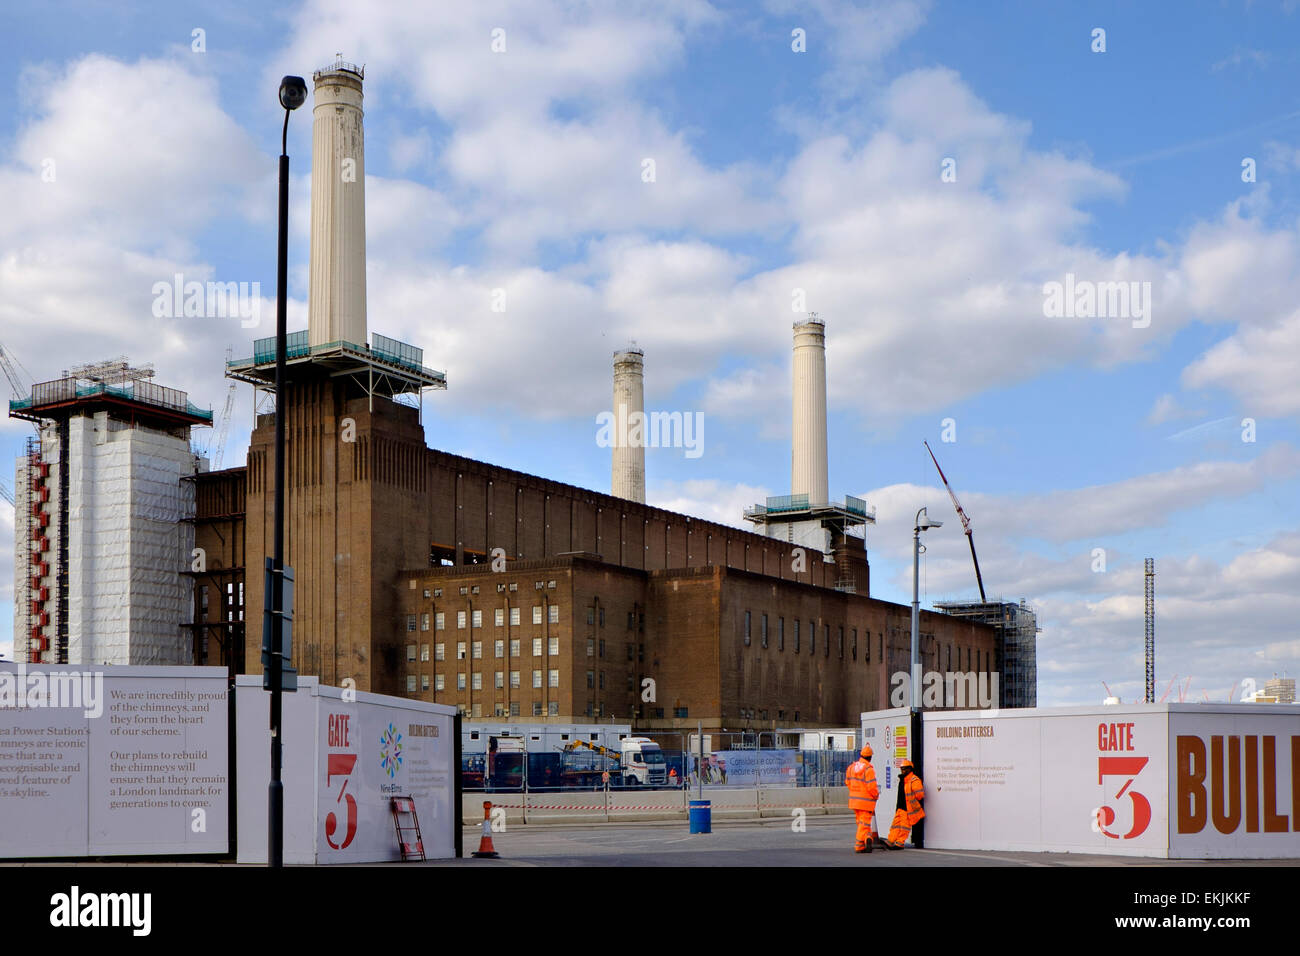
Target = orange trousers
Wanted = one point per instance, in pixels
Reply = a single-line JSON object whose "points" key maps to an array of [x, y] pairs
{"points": [[901, 830], [864, 828]]}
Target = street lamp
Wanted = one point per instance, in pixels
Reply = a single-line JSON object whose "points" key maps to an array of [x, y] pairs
{"points": [[293, 93], [923, 523]]}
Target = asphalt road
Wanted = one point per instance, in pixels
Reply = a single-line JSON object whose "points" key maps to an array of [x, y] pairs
{"points": [[825, 842]]}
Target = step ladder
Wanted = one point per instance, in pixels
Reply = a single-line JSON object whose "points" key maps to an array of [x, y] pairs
{"points": [[403, 807]]}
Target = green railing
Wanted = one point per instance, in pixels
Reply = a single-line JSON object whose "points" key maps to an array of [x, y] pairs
{"points": [[297, 345]]}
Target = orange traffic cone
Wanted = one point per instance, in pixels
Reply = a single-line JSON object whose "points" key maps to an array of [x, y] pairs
{"points": [[485, 847]]}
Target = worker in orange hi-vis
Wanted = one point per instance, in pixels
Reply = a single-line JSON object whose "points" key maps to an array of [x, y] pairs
{"points": [[861, 781], [910, 815]]}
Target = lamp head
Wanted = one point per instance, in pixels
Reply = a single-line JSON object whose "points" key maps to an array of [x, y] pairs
{"points": [[293, 92], [924, 522]]}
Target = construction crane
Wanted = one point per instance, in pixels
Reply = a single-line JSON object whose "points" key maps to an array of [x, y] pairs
{"points": [[1168, 689], [965, 523], [19, 385], [223, 429], [6, 494]]}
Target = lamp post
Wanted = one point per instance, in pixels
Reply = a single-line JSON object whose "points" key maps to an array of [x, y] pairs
{"points": [[293, 93], [923, 523]]}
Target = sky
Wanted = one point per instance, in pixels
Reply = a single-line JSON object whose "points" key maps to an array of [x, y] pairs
{"points": [[549, 181]]}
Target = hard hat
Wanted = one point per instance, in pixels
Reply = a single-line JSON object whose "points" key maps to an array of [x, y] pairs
{"points": [[905, 763], [866, 750]]}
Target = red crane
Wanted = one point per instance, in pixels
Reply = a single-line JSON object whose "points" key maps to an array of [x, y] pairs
{"points": [[965, 523]]}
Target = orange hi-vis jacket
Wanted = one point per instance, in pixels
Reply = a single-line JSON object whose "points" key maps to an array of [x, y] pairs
{"points": [[861, 781], [914, 793]]}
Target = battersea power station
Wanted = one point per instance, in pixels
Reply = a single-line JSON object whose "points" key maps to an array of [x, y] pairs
{"points": [[420, 573]]}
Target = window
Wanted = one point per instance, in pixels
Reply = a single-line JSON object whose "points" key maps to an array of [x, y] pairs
{"points": [[537, 708], [602, 647], [537, 678], [440, 652], [514, 647], [499, 648], [440, 682], [476, 681], [424, 621], [478, 709], [410, 652], [514, 680], [437, 592], [841, 642], [539, 585], [855, 644], [602, 617], [499, 710], [631, 620], [553, 677], [460, 681], [460, 650], [591, 680], [424, 652], [553, 708], [478, 650], [514, 708], [640, 653], [550, 584], [424, 682], [552, 646], [464, 590], [410, 622], [826, 640], [439, 621], [474, 589], [747, 629], [537, 614], [426, 593], [602, 680], [499, 681], [796, 635], [630, 652], [537, 647], [499, 617], [591, 647], [681, 712], [763, 632], [410, 683], [812, 637], [460, 619], [629, 681], [514, 585], [591, 615], [780, 633], [553, 614], [477, 619], [514, 615], [590, 708]]}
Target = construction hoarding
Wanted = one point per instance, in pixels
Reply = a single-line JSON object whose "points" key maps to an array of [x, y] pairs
{"points": [[1161, 780], [346, 754], [113, 761]]}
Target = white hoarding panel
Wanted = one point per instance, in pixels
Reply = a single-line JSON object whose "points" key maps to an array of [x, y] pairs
{"points": [[1235, 782], [1064, 780], [113, 760], [344, 761]]}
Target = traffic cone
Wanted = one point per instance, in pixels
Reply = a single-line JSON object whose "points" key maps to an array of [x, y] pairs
{"points": [[485, 847]]}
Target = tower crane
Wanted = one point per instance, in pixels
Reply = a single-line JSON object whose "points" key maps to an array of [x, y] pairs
{"points": [[20, 385], [965, 523], [5, 493], [219, 447]]}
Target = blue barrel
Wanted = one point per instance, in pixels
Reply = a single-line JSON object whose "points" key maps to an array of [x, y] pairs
{"points": [[701, 816]]}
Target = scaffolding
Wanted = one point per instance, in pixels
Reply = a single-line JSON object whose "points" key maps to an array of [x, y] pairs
{"points": [[1016, 645]]}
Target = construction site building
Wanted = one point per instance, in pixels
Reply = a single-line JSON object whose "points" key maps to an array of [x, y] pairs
{"points": [[1016, 645]]}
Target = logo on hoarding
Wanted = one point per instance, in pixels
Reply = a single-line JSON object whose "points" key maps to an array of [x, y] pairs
{"points": [[390, 751], [1113, 738]]}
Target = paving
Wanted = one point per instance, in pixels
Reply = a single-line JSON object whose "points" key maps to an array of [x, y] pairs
{"points": [[824, 842]]}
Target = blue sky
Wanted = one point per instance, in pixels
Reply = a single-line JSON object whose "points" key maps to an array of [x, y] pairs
{"points": [[776, 171]]}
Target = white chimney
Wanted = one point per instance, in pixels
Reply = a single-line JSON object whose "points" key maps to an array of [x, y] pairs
{"points": [[336, 307], [808, 470], [628, 479]]}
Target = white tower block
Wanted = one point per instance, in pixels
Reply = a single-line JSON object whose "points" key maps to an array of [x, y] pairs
{"points": [[336, 309], [628, 479], [808, 450]]}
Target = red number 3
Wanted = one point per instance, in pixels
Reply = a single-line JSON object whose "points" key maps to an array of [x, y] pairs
{"points": [[341, 765], [1128, 767]]}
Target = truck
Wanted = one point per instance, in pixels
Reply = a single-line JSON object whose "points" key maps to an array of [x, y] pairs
{"points": [[638, 762]]}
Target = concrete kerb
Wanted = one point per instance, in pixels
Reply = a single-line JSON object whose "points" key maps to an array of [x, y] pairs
{"points": [[588, 807]]}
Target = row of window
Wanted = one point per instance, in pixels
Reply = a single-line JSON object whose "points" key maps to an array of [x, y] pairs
{"points": [[475, 649], [475, 618], [502, 586], [812, 637], [476, 680], [500, 710]]}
